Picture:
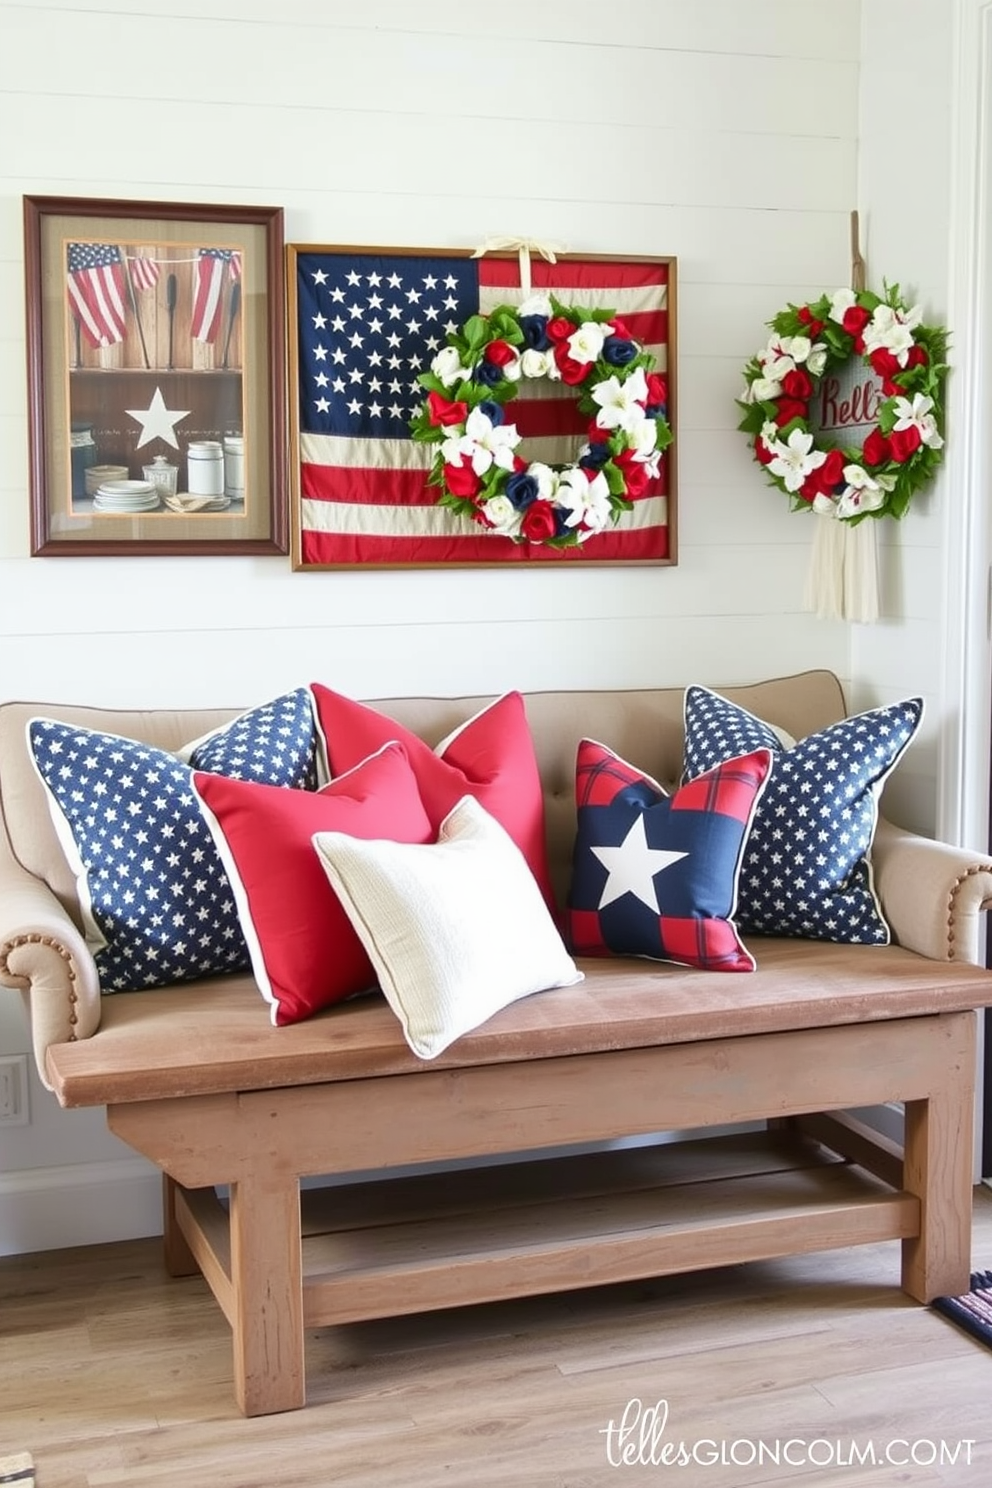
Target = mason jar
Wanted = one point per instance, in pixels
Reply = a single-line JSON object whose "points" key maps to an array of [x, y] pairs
{"points": [[205, 468]]}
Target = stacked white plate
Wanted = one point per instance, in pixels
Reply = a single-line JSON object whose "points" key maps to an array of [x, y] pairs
{"points": [[99, 475], [123, 497]]}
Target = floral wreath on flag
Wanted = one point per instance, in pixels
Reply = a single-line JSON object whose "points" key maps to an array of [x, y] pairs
{"points": [[477, 374], [903, 449]]}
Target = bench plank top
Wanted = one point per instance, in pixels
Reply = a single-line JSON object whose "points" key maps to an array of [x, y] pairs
{"points": [[216, 1036]]}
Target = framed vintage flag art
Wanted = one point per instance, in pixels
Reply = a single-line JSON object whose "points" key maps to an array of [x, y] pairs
{"points": [[480, 408]]}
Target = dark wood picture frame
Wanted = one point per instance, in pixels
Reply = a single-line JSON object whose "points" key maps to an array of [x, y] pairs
{"points": [[156, 394], [359, 489]]}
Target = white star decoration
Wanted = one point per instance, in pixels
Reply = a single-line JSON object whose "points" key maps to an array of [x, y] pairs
{"points": [[632, 867], [157, 421]]}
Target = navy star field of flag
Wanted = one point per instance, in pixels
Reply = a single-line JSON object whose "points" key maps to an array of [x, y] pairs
{"points": [[367, 324]]}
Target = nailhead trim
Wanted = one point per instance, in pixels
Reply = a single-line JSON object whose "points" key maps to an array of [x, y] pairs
{"points": [[56, 945], [962, 878]]}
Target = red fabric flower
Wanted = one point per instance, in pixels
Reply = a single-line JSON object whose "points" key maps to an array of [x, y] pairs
{"points": [[761, 451], [905, 442], [855, 320], [559, 329], [441, 411], [634, 473], [788, 409], [499, 352], [619, 329], [461, 480], [798, 383], [876, 450], [539, 522], [884, 363], [809, 320], [572, 372], [657, 390]]}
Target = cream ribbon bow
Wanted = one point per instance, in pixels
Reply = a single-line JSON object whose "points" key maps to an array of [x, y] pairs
{"points": [[524, 247]]}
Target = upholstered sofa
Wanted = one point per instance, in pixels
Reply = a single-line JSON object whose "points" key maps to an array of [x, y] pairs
{"points": [[196, 1076]]}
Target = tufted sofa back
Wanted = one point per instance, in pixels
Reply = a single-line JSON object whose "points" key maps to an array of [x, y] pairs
{"points": [[642, 725]]}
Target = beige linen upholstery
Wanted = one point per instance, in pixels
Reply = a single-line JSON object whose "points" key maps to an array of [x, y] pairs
{"points": [[932, 894]]}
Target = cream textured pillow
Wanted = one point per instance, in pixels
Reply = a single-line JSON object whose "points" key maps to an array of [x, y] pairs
{"points": [[455, 929]]}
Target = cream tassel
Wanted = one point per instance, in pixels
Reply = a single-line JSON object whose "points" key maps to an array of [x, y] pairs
{"points": [[842, 581]]}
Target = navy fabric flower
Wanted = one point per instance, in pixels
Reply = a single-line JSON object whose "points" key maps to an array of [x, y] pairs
{"points": [[487, 372], [521, 490], [595, 457], [535, 329], [619, 350], [492, 410]]}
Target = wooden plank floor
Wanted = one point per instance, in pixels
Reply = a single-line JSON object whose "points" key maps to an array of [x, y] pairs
{"points": [[113, 1374]]}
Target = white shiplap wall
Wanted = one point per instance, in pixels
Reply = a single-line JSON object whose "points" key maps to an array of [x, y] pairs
{"points": [[678, 129]]}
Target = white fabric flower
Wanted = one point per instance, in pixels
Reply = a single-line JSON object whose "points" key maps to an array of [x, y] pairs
{"points": [[824, 506], [643, 438], [535, 304], [586, 501], [794, 460], [455, 445], [817, 359], [511, 370], [586, 344], [766, 388], [539, 364], [502, 515], [774, 362], [840, 302], [547, 480], [492, 444], [861, 494], [891, 329], [796, 347], [447, 367], [621, 404], [918, 414]]}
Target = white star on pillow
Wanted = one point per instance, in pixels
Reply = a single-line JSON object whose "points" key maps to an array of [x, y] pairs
{"points": [[632, 867]]}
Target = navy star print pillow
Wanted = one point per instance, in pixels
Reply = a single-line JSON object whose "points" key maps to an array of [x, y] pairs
{"points": [[807, 868], [156, 902], [656, 875]]}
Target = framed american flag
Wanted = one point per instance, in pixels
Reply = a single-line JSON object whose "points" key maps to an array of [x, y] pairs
{"points": [[445, 411]]}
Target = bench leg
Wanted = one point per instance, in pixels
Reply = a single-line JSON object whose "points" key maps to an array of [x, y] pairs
{"points": [[937, 1168], [267, 1304], [179, 1259]]}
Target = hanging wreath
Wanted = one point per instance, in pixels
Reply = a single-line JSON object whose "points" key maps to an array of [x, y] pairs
{"points": [[903, 448], [478, 374]]}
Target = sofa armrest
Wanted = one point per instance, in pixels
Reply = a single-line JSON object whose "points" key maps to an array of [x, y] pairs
{"points": [[932, 894], [43, 956]]}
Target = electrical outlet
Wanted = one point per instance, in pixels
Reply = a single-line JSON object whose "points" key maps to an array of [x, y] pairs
{"points": [[14, 1090]]}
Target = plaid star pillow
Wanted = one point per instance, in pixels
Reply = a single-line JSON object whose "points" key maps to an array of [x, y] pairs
{"points": [[656, 875], [807, 866]]}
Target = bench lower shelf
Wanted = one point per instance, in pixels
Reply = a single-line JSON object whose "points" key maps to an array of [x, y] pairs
{"points": [[411, 1244]]}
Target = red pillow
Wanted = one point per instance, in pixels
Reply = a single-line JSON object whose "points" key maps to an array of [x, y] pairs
{"points": [[490, 757], [304, 952]]}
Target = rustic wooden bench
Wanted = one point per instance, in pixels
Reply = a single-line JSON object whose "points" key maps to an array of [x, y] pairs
{"points": [[217, 1098], [526, 1125]]}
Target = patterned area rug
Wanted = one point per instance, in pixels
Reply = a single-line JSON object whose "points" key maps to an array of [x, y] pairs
{"points": [[972, 1311], [19, 1469]]}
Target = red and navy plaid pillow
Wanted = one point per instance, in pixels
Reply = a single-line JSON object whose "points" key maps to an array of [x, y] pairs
{"points": [[656, 875]]}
